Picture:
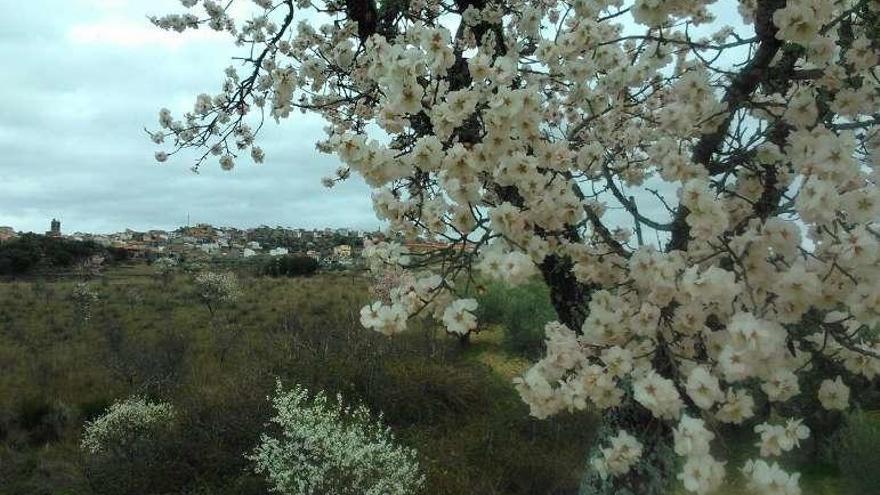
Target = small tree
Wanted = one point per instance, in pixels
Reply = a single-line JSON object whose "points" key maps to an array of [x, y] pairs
{"points": [[214, 289], [325, 446], [84, 298]]}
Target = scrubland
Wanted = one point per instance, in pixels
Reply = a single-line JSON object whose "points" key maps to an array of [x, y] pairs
{"points": [[65, 359]]}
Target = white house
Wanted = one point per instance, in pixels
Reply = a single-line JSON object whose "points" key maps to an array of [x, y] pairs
{"points": [[248, 252], [210, 248], [279, 251]]}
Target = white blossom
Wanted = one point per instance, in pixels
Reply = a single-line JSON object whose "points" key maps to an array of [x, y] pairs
{"points": [[125, 422], [459, 317], [834, 394], [329, 447], [619, 457]]}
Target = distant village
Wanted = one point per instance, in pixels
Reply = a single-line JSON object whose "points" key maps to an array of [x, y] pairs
{"points": [[341, 245]]}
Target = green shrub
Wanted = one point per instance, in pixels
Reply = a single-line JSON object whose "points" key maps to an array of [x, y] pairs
{"points": [[28, 252], [290, 266], [522, 311], [857, 452]]}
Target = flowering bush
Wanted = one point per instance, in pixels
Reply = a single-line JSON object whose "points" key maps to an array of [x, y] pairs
{"points": [[520, 134], [84, 298], [214, 288], [328, 447], [126, 423]]}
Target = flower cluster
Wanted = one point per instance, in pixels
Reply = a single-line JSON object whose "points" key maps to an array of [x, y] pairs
{"points": [[776, 439], [834, 394], [770, 479], [619, 457], [382, 254], [459, 316], [325, 446], [385, 280], [513, 267], [126, 422], [701, 472]]}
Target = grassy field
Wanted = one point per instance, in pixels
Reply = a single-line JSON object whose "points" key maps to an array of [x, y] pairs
{"points": [[154, 338]]}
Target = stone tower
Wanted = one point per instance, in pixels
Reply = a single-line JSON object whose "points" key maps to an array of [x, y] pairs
{"points": [[55, 229]]}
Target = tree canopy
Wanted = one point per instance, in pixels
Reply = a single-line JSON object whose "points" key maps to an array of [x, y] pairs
{"points": [[695, 183]]}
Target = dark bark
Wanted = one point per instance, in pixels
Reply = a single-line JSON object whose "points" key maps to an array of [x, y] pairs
{"points": [[569, 297], [743, 84], [366, 15], [375, 20], [738, 92], [654, 473]]}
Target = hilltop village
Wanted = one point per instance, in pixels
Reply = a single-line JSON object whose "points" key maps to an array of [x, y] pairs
{"points": [[340, 245]]}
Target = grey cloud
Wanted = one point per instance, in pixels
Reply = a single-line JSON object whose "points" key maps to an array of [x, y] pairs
{"points": [[71, 130]]}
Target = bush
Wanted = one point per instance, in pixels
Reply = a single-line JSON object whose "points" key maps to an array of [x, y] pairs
{"points": [[290, 266], [131, 448], [522, 311], [17, 259], [857, 452], [328, 447], [125, 424]]}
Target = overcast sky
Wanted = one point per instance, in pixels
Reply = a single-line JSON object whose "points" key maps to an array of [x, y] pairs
{"points": [[82, 80], [84, 77]]}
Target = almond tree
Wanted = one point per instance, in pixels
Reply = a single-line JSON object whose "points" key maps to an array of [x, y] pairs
{"points": [[698, 191]]}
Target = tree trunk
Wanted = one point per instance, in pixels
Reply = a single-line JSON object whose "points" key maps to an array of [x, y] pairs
{"points": [[654, 472], [568, 296]]}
